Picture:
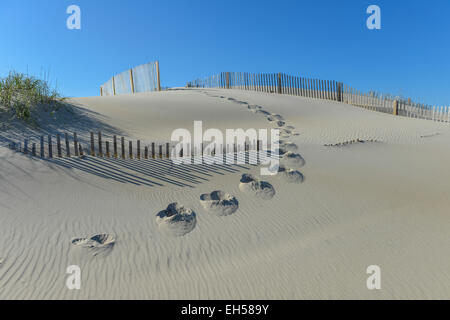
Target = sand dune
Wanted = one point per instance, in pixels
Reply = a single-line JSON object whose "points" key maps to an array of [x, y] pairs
{"points": [[141, 229]]}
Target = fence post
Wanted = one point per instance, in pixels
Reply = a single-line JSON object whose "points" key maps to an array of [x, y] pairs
{"points": [[130, 149], [160, 152], [167, 150], [322, 89], [58, 144], [115, 146], [131, 81], [101, 91], [395, 108], [138, 153], [153, 150], [146, 152], [100, 144], [33, 149], [50, 147], [75, 143], [279, 83], [107, 149], [316, 89], [266, 83], [300, 84], [42, 147], [329, 90], [339, 91], [66, 136], [122, 142], [92, 144], [292, 85], [25, 146], [114, 85], [158, 77], [228, 80], [335, 90]]}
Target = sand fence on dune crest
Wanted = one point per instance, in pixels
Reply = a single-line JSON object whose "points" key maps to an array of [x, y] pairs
{"points": [[280, 83], [143, 78]]}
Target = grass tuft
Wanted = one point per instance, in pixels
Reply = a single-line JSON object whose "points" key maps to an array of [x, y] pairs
{"points": [[21, 95]]}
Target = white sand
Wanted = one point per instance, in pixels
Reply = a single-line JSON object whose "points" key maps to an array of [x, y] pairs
{"points": [[380, 203]]}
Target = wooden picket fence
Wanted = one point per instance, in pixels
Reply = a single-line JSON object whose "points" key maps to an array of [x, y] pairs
{"points": [[66, 146], [113, 148], [395, 105], [281, 83], [273, 83]]}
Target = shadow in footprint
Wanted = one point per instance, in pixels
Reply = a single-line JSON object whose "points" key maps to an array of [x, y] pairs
{"points": [[176, 220], [98, 245], [255, 187], [219, 203]]}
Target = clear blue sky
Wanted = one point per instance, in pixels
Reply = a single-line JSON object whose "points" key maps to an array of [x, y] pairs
{"points": [[326, 39]]}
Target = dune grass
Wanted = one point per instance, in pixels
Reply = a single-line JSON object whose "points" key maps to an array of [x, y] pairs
{"points": [[21, 95]]}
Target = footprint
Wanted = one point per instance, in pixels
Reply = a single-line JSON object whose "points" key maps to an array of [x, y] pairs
{"points": [[346, 143], [219, 203], [287, 133], [101, 244], [263, 112], [287, 146], [289, 175], [430, 135], [290, 127], [275, 117], [261, 189], [292, 160], [254, 108], [176, 220], [281, 123]]}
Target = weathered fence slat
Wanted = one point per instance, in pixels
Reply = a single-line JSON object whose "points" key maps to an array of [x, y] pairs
{"points": [[130, 149], [75, 144], [92, 144], [138, 149], [100, 144], [66, 138], [58, 145], [42, 147], [107, 149], [115, 146], [122, 145], [50, 147]]}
